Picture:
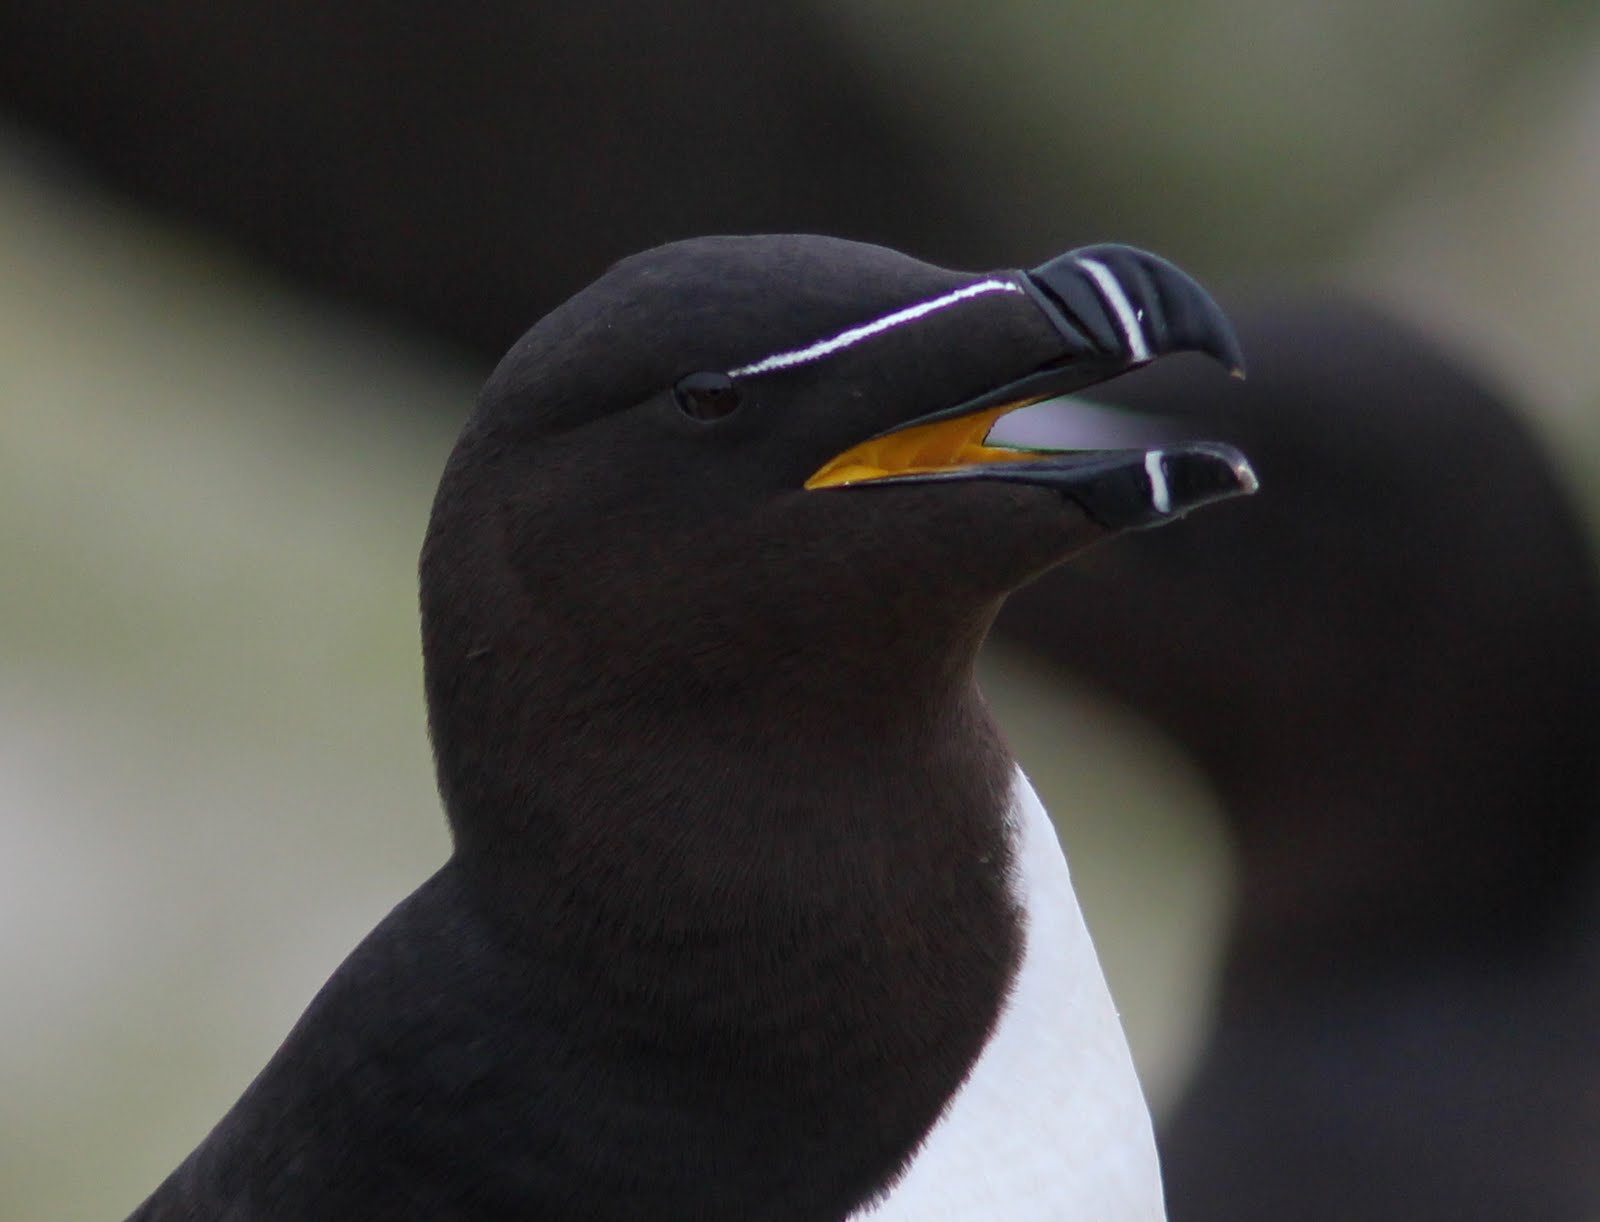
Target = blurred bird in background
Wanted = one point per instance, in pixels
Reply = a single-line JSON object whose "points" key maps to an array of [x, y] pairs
{"points": [[213, 485], [1393, 684]]}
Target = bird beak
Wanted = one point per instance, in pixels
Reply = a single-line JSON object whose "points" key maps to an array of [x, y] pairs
{"points": [[1114, 308]]}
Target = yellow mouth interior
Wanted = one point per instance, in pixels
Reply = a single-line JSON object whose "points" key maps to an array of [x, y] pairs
{"points": [[936, 446]]}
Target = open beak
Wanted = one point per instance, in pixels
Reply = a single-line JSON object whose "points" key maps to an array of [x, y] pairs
{"points": [[1115, 308]]}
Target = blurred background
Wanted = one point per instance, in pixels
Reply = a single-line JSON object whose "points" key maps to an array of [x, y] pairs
{"points": [[255, 258]]}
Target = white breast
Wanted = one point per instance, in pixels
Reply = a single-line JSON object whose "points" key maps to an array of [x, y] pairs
{"points": [[1051, 1125]]}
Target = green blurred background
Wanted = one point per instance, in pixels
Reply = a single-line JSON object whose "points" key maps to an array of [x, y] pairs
{"points": [[217, 461]]}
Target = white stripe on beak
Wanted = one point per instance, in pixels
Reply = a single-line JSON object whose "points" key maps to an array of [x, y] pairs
{"points": [[826, 347], [1111, 289]]}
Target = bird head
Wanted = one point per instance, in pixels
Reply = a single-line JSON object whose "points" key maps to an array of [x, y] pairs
{"points": [[769, 456]]}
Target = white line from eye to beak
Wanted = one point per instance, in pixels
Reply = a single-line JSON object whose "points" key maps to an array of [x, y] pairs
{"points": [[1103, 276], [826, 347], [1160, 494]]}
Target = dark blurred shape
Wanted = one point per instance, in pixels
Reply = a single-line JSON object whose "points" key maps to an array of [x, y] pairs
{"points": [[1388, 665], [466, 167]]}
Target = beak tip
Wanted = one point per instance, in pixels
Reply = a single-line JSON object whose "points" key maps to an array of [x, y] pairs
{"points": [[1121, 302], [1218, 341], [1232, 356], [1202, 473], [1249, 482]]}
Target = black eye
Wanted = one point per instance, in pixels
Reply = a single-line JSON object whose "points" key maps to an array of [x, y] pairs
{"points": [[706, 396]]}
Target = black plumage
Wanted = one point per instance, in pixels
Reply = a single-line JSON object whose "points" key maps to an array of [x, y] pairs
{"points": [[728, 916]]}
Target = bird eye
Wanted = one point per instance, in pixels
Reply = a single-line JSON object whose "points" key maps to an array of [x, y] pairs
{"points": [[706, 396]]}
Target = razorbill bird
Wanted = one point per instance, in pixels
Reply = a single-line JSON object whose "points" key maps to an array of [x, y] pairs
{"points": [[1393, 683], [747, 895]]}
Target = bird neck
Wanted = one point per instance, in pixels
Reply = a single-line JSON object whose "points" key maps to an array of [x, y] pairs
{"points": [[759, 854], [558, 696], [799, 958]]}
